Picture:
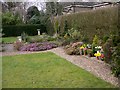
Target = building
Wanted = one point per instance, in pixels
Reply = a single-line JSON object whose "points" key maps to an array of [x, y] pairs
{"points": [[85, 6]]}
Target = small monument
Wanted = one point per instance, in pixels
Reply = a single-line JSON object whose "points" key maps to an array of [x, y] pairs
{"points": [[38, 31], [19, 38]]}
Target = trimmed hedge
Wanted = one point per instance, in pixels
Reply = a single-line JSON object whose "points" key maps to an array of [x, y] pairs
{"points": [[98, 22], [16, 30]]}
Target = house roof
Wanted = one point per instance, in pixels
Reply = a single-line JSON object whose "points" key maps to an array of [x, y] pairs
{"points": [[86, 4]]}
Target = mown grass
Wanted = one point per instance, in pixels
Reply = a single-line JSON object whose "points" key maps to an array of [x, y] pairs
{"points": [[9, 39], [46, 70], [13, 39]]}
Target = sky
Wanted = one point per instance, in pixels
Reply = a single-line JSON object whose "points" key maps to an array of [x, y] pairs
{"points": [[40, 3], [62, 0]]}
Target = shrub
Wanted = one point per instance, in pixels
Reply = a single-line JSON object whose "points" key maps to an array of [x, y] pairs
{"points": [[107, 50], [93, 50], [74, 34], [67, 41], [24, 37], [85, 39], [105, 38], [65, 27], [116, 55], [95, 41], [116, 61], [18, 29], [42, 38], [35, 39]]}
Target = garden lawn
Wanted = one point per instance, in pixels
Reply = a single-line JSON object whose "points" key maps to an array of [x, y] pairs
{"points": [[46, 70], [9, 39]]}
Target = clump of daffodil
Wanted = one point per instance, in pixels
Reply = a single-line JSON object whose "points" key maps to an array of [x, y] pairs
{"points": [[98, 54], [81, 47]]}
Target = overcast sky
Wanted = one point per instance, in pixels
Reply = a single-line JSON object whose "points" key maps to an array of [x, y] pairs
{"points": [[40, 3], [61, 0]]}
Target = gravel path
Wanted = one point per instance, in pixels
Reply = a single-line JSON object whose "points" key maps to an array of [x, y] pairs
{"points": [[96, 67]]}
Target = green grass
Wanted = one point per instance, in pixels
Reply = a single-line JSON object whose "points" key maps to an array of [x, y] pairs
{"points": [[13, 39], [46, 70], [9, 39]]}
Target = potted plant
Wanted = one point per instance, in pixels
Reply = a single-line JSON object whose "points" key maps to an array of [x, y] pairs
{"points": [[81, 50], [98, 54], [85, 51]]}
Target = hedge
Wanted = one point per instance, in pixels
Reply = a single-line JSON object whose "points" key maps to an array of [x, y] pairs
{"points": [[98, 22], [16, 30]]}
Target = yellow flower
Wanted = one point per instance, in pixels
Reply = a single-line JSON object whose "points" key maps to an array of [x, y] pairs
{"points": [[98, 54], [81, 47]]}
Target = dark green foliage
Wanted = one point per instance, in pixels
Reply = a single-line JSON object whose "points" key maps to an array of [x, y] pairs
{"points": [[49, 27], [34, 20], [116, 55], [65, 27], [16, 30], [107, 47], [67, 41], [105, 38], [9, 19], [116, 61], [116, 49], [38, 19], [116, 40], [89, 51], [93, 50], [25, 37], [33, 10]]}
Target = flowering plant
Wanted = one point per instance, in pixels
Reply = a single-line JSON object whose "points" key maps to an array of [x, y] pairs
{"points": [[98, 47], [98, 54], [38, 46], [81, 47]]}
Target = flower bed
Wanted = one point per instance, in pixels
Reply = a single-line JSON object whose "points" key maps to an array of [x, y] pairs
{"points": [[38, 46]]}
